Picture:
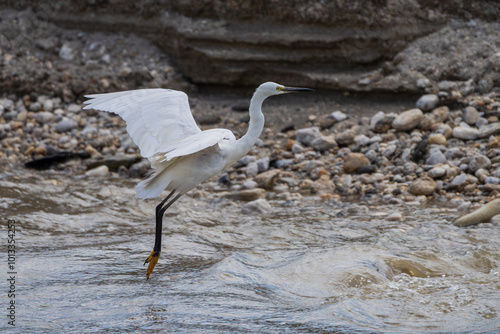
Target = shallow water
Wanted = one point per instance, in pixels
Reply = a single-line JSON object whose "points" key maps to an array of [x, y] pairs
{"points": [[309, 267]]}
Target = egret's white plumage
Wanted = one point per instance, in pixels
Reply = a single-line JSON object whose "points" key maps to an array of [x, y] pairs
{"points": [[161, 124]]}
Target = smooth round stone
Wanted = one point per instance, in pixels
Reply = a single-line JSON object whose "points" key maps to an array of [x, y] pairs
{"points": [[478, 162], [437, 172], [259, 206], [489, 130], [437, 139], [362, 140], [44, 117], [464, 133], [48, 105], [355, 161], [423, 83], [427, 102], [345, 138], [396, 216], [283, 163], [297, 148], [492, 180], [471, 115], [35, 106], [100, 171], [338, 115], [252, 169], [66, 125], [308, 135], [436, 157], [389, 150], [408, 120], [458, 180], [323, 143], [424, 186]]}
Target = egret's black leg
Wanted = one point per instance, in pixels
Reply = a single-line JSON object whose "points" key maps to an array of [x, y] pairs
{"points": [[160, 211]]}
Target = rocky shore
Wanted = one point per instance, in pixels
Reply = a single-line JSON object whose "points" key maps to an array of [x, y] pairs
{"points": [[446, 148], [431, 152]]}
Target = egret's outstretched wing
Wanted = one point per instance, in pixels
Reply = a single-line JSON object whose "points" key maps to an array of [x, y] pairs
{"points": [[197, 142], [155, 118]]}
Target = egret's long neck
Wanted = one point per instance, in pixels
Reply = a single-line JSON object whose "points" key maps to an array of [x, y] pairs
{"points": [[255, 126]]}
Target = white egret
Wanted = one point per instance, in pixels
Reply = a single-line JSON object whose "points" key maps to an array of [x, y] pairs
{"points": [[161, 124]]}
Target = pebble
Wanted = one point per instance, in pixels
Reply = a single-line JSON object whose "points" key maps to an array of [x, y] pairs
{"points": [[308, 135], [259, 206], [66, 124], [471, 115], [251, 169], [44, 117], [479, 161], [100, 171], [489, 130], [355, 161], [345, 138], [408, 120], [464, 133], [362, 140], [338, 115], [249, 184], [48, 105], [66, 52], [283, 163], [35, 106], [323, 143], [437, 139], [267, 179], [424, 186], [458, 180], [437, 172], [247, 195], [297, 148], [396, 216], [262, 164], [427, 102], [436, 158]]}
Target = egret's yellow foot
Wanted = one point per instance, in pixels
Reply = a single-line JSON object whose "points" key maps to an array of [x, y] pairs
{"points": [[152, 260]]}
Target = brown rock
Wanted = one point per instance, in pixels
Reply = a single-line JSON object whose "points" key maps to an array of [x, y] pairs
{"points": [[345, 138], [354, 161], [14, 125], [267, 179], [424, 186], [437, 139], [247, 195]]}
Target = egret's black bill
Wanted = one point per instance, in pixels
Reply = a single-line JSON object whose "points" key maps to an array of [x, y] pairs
{"points": [[297, 89]]}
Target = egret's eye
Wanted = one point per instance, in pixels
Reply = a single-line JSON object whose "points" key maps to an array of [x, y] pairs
{"points": [[280, 88]]}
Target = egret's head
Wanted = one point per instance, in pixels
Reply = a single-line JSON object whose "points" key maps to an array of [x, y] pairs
{"points": [[272, 88]]}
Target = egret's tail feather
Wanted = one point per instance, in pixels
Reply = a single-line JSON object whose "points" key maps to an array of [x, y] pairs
{"points": [[152, 186]]}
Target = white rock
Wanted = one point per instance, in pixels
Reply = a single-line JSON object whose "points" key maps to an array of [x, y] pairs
{"points": [[338, 116], [252, 169], [66, 52], [408, 120], [100, 171], [437, 172], [464, 133], [427, 102], [48, 105], [259, 206], [376, 118], [308, 135], [361, 140]]}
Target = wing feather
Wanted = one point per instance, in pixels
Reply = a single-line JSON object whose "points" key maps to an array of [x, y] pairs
{"points": [[197, 142], [155, 118]]}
